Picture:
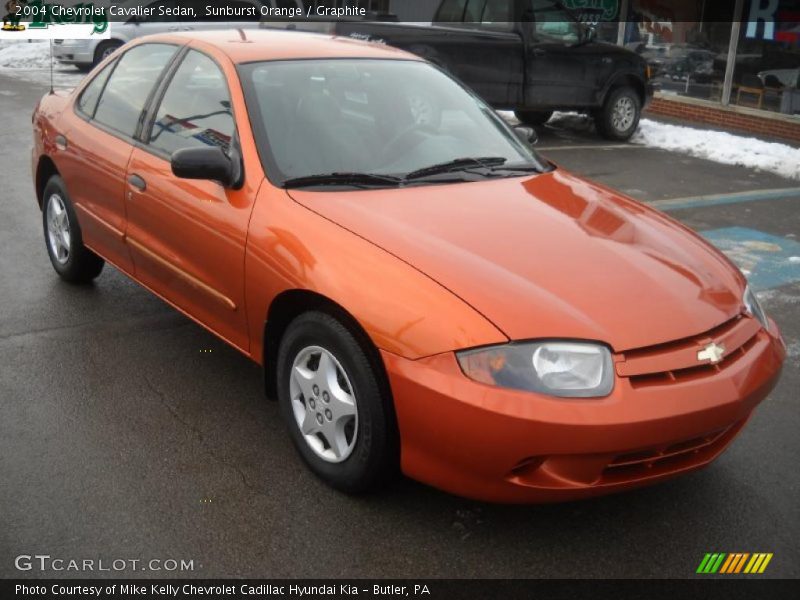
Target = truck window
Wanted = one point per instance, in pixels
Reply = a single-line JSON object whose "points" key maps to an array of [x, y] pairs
{"points": [[553, 23]]}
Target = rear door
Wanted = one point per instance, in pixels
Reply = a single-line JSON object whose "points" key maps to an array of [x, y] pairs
{"points": [[187, 237], [484, 49], [98, 139]]}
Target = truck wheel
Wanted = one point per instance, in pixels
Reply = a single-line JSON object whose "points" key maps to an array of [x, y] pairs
{"points": [[73, 261], [104, 50], [619, 116], [339, 418], [533, 117]]}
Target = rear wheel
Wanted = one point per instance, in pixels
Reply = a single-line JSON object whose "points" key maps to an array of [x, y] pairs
{"points": [[73, 261], [619, 116], [104, 50], [339, 419], [533, 117]]}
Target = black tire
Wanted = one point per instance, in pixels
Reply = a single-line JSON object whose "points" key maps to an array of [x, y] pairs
{"points": [[104, 49], [533, 117], [80, 265], [610, 127], [373, 455]]}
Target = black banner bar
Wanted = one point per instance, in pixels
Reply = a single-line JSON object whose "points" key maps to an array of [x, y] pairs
{"points": [[701, 588]]}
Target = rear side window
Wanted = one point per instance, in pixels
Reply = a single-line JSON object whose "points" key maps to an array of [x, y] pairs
{"points": [[123, 99], [91, 93], [497, 14], [196, 109]]}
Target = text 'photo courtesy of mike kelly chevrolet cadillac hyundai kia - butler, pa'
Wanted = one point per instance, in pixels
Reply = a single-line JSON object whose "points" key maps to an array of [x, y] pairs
{"points": [[463, 293]]}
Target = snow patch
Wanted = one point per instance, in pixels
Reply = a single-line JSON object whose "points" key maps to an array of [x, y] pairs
{"points": [[31, 61], [721, 147], [25, 55]]}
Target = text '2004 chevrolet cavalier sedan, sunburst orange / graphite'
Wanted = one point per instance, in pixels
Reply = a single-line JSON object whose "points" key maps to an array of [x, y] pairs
{"points": [[422, 289]]}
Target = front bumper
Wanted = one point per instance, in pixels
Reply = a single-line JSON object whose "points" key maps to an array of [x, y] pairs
{"points": [[503, 445]]}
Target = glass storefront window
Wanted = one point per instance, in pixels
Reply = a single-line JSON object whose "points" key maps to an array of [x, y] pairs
{"points": [[685, 43], [603, 15], [767, 70]]}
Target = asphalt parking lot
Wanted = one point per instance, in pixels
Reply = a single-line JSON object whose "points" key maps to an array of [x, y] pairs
{"points": [[128, 432]]}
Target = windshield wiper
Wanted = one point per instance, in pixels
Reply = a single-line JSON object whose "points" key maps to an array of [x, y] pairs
{"points": [[524, 168], [459, 164], [355, 179]]}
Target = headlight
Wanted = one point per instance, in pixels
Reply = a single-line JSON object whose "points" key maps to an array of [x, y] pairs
{"points": [[753, 306], [566, 369]]}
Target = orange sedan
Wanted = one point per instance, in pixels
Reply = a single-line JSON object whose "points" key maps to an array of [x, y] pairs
{"points": [[422, 289]]}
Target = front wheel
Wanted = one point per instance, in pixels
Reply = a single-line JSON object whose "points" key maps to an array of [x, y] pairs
{"points": [[73, 261], [339, 418], [619, 116]]}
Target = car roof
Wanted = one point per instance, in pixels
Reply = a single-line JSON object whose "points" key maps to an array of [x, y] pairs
{"points": [[249, 45]]}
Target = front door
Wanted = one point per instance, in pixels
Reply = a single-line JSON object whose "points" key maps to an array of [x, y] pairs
{"points": [[558, 72], [187, 237]]}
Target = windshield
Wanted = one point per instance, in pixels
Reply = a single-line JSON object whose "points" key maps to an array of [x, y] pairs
{"points": [[377, 117]]}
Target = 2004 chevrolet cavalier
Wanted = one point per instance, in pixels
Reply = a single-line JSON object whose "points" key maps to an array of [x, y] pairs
{"points": [[421, 288]]}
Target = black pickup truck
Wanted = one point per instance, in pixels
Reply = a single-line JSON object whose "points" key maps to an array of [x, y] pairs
{"points": [[529, 56]]}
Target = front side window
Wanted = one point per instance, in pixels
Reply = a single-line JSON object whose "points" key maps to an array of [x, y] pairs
{"points": [[123, 100], [388, 117], [553, 23], [91, 93], [196, 109]]}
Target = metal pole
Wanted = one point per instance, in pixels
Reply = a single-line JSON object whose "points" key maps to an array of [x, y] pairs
{"points": [[732, 46], [623, 21]]}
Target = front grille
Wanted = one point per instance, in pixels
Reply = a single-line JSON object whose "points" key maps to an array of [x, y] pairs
{"points": [[674, 457], [677, 360]]}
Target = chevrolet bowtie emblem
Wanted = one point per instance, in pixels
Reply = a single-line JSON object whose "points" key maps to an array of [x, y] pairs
{"points": [[712, 353]]}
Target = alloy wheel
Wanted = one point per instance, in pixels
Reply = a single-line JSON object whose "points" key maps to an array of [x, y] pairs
{"points": [[623, 114], [59, 236], [324, 404]]}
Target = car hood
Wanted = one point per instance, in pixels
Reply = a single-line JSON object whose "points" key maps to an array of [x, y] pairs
{"points": [[549, 256]]}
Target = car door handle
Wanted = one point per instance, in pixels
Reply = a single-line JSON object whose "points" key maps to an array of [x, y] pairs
{"points": [[537, 52], [137, 182]]}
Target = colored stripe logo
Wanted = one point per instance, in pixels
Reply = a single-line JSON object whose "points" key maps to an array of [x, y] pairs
{"points": [[736, 562]]}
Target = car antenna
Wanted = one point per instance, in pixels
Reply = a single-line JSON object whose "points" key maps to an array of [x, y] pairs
{"points": [[52, 91]]}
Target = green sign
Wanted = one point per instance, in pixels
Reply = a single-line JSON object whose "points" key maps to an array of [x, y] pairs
{"points": [[594, 10]]}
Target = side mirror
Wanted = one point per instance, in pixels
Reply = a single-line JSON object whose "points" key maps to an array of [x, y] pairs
{"points": [[590, 34], [526, 134], [203, 163]]}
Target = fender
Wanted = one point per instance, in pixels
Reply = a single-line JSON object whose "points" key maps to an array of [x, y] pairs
{"points": [[624, 77]]}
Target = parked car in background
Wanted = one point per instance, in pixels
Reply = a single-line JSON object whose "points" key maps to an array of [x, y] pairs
{"points": [[430, 294], [679, 62], [86, 53], [529, 56]]}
